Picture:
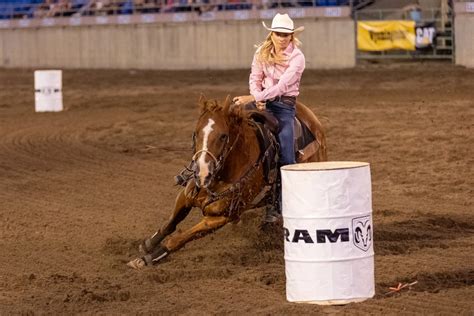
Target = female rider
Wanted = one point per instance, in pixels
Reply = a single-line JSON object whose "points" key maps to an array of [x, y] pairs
{"points": [[274, 83]]}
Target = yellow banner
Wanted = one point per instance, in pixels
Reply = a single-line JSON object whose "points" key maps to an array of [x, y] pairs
{"points": [[385, 35]]}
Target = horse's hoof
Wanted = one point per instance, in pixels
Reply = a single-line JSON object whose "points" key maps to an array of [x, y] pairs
{"points": [[137, 264]]}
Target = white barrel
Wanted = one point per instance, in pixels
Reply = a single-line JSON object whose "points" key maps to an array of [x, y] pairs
{"points": [[48, 91], [327, 213]]}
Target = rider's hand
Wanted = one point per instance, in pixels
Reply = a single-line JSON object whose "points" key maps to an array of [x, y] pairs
{"points": [[243, 99], [260, 105]]}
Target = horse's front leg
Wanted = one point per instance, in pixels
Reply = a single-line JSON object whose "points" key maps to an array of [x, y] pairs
{"points": [[181, 210], [207, 225]]}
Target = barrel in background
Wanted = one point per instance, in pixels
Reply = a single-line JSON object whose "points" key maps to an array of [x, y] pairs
{"points": [[48, 91]]}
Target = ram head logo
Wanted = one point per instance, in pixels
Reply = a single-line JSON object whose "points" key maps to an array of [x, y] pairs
{"points": [[362, 230]]}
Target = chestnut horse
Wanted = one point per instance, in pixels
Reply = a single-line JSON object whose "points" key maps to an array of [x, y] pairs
{"points": [[228, 175]]}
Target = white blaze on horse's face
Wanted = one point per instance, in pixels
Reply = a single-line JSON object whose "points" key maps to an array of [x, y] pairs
{"points": [[202, 163]]}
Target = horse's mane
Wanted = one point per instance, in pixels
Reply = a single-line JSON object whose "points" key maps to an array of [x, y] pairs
{"points": [[238, 116], [233, 114], [211, 105]]}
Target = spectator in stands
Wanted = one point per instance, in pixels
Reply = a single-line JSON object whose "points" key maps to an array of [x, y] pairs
{"points": [[185, 5], [178, 5], [138, 5], [51, 8], [235, 5], [43, 9], [146, 6], [274, 82], [413, 12], [101, 7], [170, 5], [261, 4], [64, 8], [203, 6], [284, 3], [47, 9]]}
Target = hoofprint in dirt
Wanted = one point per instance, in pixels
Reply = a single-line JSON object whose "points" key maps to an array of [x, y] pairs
{"points": [[80, 188]]}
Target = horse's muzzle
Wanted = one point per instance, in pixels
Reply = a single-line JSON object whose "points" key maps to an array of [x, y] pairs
{"points": [[204, 181]]}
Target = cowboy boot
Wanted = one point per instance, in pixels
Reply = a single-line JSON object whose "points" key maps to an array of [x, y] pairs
{"points": [[273, 209], [272, 215]]}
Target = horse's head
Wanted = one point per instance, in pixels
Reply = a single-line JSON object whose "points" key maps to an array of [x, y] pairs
{"points": [[212, 138]]}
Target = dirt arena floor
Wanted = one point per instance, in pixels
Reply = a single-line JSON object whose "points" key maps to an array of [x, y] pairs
{"points": [[80, 188]]}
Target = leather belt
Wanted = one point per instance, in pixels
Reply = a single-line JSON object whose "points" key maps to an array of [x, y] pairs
{"points": [[290, 100]]}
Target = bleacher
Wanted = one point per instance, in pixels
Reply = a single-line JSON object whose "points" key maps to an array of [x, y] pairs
{"points": [[18, 8], [27, 9]]}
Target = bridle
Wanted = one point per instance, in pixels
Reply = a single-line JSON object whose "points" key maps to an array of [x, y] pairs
{"points": [[206, 152], [219, 161], [234, 190]]}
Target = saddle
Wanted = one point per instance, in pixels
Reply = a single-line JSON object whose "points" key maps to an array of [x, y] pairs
{"points": [[306, 144], [266, 127]]}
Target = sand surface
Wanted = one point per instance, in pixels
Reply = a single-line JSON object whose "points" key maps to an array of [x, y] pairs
{"points": [[80, 188]]}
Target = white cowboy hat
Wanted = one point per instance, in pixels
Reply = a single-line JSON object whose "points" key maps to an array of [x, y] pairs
{"points": [[282, 23]]}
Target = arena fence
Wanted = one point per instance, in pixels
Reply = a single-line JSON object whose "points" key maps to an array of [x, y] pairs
{"points": [[190, 43], [429, 22], [139, 40]]}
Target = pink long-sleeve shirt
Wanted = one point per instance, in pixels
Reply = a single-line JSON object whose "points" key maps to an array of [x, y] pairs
{"points": [[269, 81]]}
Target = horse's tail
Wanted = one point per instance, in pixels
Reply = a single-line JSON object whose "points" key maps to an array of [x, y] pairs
{"points": [[312, 122]]}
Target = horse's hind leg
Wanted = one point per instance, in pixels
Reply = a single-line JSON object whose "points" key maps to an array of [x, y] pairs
{"points": [[181, 210]]}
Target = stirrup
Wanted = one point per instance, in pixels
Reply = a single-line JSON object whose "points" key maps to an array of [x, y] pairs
{"points": [[184, 176], [181, 180]]}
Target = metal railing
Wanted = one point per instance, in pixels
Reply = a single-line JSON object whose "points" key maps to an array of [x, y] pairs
{"points": [[68, 8]]}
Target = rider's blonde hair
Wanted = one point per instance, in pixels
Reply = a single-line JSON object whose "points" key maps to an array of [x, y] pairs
{"points": [[266, 50]]}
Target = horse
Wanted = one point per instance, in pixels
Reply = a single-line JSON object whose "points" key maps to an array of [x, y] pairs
{"points": [[233, 148]]}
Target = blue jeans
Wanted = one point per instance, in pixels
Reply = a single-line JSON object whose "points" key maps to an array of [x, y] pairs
{"points": [[285, 115]]}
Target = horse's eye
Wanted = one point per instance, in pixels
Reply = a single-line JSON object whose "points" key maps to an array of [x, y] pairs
{"points": [[224, 137]]}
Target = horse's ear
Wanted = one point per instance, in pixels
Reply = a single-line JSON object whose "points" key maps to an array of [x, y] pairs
{"points": [[235, 112], [227, 103], [202, 99], [202, 102]]}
